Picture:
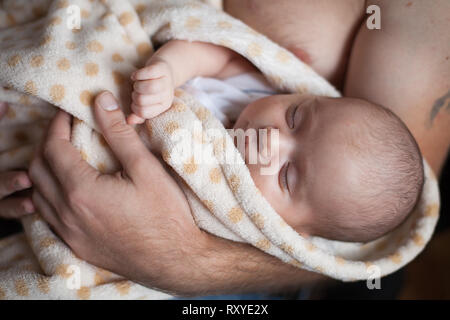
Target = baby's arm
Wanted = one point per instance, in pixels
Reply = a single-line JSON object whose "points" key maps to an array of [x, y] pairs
{"points": [[171, 66]]}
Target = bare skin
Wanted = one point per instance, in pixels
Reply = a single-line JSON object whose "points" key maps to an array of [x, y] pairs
{"points": [[404, 69]]}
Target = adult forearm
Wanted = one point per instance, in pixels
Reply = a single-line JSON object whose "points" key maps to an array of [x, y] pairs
{"points": [[221, 266]]}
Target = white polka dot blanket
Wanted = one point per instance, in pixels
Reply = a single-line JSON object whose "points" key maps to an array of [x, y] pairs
{"points": [[46, 61]]}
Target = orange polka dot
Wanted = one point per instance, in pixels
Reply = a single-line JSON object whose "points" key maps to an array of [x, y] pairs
{"points": [[57, 93], [91, 69], [127, 39], [47, 242], [209, 205], [101, 167], [179, 106], [84, 155], [55, 21], [190, 167], [117, 57], [87, 98], [432, 210], [84, 293], [123, 287], [62, 271], [126, 18], [30, 87], [119, 79], [85, 14], [165, 155], [100, 28], [144, 49], [396, 258], [418, 240], [263, 244], [192, 23], [254, 50], [98, 279], [45, 41], [43, 284], [24, 100], [202, 113], [287, 248], [14, 60], [283, 56], [224, 25], [258, 220], [62, 4], [63, 64], [171, 127], [235, 214], [21, 288], [219, 145], [37, 61], [215, 175], [71, 45], [340, 260], [95, 46], [140, 8], [234, 183], [310, 246]]}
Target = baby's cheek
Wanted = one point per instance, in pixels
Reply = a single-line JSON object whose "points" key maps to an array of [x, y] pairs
{"points": [[268, 185]]}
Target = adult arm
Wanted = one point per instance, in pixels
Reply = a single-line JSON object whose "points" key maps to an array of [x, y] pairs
{"points": [[149, 237], [405, 67]]}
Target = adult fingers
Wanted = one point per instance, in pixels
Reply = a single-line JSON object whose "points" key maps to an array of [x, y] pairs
{"points": [[13, 181], [46, 210], [64, 160], [45, 182], [14, 208], [121, 137]]}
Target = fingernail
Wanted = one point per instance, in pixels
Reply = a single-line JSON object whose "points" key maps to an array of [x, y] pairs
{"points": [[28, 206], [22, 183], [107, 102]]}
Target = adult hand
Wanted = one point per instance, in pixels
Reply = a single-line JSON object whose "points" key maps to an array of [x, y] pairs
{"points": [[134, 222], [10, 183]]}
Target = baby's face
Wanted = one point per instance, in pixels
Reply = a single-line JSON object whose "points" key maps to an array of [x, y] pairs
{"points": [[310, 160]]}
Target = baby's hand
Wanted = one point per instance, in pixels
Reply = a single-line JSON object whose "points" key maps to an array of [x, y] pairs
{"points": [[153, 91]]}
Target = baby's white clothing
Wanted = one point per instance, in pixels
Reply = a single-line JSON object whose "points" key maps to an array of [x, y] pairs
{"points": [[227, 98]]}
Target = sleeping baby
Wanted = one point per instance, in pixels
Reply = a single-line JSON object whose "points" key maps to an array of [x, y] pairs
{"points": [[348, 169]]}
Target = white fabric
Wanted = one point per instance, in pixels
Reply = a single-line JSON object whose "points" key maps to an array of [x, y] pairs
{"points": [[228, 97]]}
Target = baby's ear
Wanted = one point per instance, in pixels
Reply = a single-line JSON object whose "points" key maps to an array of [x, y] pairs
{"points": [[301, 54]]}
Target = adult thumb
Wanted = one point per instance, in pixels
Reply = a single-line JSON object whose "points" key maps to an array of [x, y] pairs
{"points": [[121, 137]]}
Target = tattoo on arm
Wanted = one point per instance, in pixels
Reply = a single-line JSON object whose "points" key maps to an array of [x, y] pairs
{"points": [[438, 105]]}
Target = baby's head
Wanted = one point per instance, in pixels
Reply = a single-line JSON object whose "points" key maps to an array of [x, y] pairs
{"points": [[345, 169]]}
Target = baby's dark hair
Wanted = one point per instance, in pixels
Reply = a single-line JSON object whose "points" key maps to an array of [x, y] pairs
{"points": [[390, 176]]}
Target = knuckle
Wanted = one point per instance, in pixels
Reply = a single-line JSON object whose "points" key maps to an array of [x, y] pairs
{"points": [[119, 128]]}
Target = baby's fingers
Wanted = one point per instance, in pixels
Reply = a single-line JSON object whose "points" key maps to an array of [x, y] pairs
{"points": [[153, 71], [133, 119], [148, 112], [14, 208]]}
